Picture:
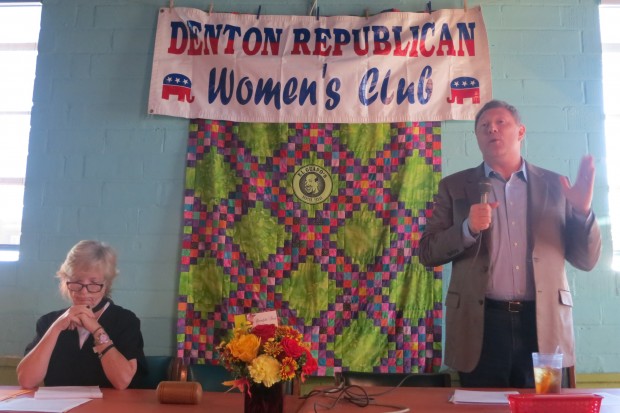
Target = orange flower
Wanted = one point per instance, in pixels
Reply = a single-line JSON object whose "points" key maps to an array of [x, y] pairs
{"points": [[272, 348], [244, 347], [287, 331], [288, 369]]}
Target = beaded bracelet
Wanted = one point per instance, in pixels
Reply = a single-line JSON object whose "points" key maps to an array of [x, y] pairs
{"points": [[105, 350]]}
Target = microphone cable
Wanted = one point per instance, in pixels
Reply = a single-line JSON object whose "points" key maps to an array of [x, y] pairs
{"points": [[356, 395]]}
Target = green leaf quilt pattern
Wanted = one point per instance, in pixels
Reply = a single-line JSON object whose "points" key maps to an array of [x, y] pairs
{"points": [[320, 222]]}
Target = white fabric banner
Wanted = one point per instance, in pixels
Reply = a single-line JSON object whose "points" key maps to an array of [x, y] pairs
{"points": [[391, 67]]}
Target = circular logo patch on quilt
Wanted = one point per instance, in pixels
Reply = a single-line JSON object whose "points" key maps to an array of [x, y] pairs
{"points": [[312, 184]]}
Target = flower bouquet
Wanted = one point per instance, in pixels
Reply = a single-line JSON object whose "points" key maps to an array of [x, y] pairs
{"points": [[261, 358]]}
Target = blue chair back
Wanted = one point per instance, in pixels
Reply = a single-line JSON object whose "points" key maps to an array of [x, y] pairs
{"points": [[210, 376], [158, 368]]}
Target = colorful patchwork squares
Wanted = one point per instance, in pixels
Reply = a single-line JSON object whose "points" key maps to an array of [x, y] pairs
{"points": [[320, 222]]}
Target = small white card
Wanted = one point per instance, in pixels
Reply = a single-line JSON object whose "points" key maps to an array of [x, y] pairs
{"points": [[257, 319], [266, 317]]}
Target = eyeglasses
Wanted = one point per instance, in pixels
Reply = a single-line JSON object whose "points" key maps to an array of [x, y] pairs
{"points": [[91, 288]]}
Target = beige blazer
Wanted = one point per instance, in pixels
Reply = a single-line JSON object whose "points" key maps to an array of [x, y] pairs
{"points": [[554, 235]]}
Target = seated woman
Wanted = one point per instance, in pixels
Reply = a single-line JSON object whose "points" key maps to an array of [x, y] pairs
{"points": [[92, 343]]}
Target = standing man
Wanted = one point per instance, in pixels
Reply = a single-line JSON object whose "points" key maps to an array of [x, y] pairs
{"points": [[508, 226]]}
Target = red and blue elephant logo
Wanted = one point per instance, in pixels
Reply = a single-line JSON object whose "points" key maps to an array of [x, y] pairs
{"points": [[464, 87], [178, 85]]}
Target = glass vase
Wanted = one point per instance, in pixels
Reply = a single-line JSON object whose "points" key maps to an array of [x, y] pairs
{"points": [[264, 399]]}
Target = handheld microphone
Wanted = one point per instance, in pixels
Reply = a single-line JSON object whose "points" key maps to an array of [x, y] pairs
{"points": [[484, 187]]}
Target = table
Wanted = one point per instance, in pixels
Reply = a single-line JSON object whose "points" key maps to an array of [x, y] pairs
{"points": [[145, 401], [417, 399], [423, 400]]}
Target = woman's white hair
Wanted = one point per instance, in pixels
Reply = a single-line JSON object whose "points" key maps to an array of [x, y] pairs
{"points": [[88, 255]]}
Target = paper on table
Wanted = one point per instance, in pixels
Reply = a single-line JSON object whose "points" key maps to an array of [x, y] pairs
{"points": [[28, 404], [69, 392], [478, 396], [9, 394], [609, 399]]}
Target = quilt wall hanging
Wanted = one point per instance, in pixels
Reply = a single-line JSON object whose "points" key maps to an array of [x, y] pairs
{"points": [[320, 222]]}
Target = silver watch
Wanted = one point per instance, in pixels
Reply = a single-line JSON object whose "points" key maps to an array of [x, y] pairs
{"points": [[102, 338]]}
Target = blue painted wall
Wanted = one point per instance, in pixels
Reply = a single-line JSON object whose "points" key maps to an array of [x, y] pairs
{"points": [[100, 167]]}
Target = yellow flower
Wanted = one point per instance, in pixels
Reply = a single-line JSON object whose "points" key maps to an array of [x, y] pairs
{"points": [[244, 347], [265, 370], [272, 348]]}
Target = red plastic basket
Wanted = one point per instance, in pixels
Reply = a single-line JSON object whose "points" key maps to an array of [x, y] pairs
{"points": [[555, 403]]}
